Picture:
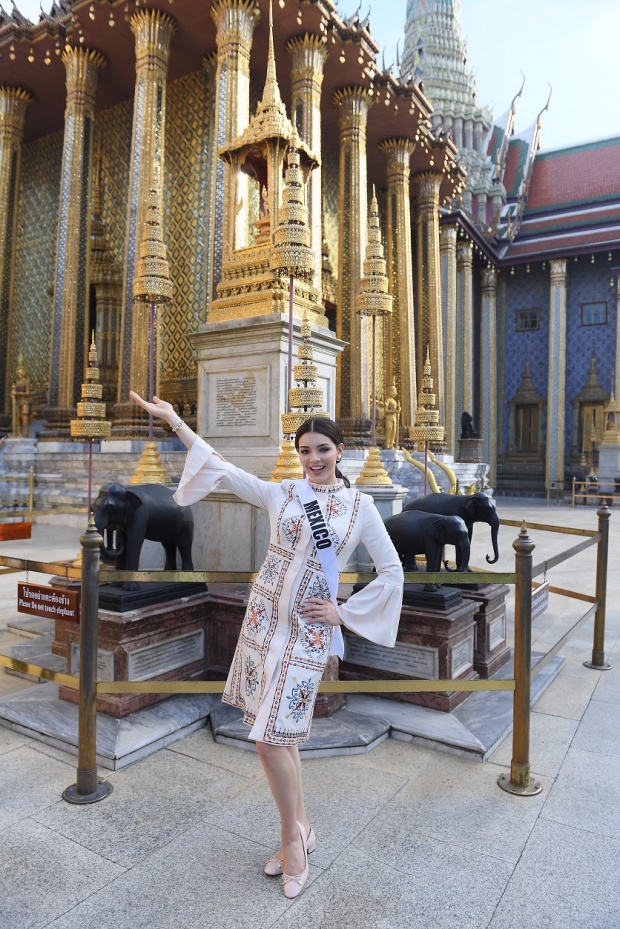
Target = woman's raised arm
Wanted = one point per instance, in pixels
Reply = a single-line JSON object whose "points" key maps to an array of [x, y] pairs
{"points": [[161, 409]]}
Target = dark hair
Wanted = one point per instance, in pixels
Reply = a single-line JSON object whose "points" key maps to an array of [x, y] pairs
{"points": [[330, 430]]}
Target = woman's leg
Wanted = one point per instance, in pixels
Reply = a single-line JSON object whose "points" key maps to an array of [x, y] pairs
{"points": [[281, 770], [301, 807]]}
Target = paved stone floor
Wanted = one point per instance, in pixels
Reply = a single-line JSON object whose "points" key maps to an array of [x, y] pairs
{"points": [[407, 836]]}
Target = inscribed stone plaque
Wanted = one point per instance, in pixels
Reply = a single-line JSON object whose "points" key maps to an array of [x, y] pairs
{"points": [[144, 663], [105, 662], [497, 631], [238, 402], [405, 658], [461, 657]]}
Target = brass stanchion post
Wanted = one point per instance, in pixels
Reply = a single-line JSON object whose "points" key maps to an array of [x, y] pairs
{"points": [[519, 781], [598, 662], [88, 788]]}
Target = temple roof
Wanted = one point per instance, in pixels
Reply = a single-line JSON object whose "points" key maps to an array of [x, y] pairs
{"points": [[30, 59], [573, 202]]}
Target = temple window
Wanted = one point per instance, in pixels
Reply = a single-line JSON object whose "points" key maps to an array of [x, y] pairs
{"points": [[527, 320], [594, 314]]}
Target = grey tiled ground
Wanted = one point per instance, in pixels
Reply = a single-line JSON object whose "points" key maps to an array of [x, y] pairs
{"points": [[407, 836]]}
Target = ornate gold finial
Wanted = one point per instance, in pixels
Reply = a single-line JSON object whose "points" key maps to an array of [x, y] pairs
{"points": [[271, 91], [374, 300], [304, 401], [427, 428], [152, 285], [91, 422], [292, 254]]}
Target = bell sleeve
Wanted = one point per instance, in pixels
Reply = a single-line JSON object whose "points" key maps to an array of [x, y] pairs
{"points": [[205, 470], [374, 611]]}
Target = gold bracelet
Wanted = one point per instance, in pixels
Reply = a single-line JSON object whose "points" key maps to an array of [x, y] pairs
{"points": [[176, 426]]}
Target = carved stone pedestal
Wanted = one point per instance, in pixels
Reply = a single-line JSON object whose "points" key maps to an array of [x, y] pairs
{"points": [[227, 607], [432, 644], [163, 641], [490, 649]]}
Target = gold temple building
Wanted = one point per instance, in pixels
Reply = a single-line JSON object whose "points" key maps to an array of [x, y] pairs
{"points": [[99, 100]]}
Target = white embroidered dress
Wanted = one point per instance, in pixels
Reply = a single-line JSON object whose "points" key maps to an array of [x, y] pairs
{"points": [[279, 659]]}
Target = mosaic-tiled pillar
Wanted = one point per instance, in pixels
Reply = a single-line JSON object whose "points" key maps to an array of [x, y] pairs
{"points": [[428, 322], [153, 33], [556, 384], [464, 329], [400, 365], [353, 383], [235, 21], [447, 251], [307, 55], [13, 105], [488, 371], [71, 288]]}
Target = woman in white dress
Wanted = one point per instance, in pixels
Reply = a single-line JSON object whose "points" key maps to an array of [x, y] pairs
{"points": [[291, 622]]}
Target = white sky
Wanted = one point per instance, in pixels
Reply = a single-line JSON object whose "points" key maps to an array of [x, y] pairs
{"points": [[569, 44]]}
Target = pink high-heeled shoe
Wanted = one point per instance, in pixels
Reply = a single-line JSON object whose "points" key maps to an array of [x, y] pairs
{"points": [[293, 884], [275, 865]]}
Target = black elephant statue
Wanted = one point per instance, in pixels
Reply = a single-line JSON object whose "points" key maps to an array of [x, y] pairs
{"points": [[477, 508], [416, 533], [126, 516]]}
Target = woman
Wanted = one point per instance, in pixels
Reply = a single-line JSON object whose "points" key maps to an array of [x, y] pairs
{"points": [[291, 617]]}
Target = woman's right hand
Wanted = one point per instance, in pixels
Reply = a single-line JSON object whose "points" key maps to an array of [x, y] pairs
{"points": [[159, 408]]}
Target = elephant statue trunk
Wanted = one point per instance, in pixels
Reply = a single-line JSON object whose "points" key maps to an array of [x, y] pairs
{"points": [[494, 523]]}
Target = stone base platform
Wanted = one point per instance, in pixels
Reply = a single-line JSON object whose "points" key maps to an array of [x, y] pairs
{"points": [[474, 729]]}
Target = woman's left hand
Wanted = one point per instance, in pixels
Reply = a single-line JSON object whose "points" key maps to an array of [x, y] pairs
{"points": [[316, 610]]}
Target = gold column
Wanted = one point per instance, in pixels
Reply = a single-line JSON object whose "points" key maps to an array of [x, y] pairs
{"points": [[235, 21], [556, 384], [400, 365], [13, 105], [353, 381], [428, 322], [488, 371], [447, 250], [464, 328], [153, 32], [71, 291], [307, 55]]}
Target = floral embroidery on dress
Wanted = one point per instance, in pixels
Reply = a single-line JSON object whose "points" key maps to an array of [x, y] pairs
{"points": [[327, 488], [269, 570], [319, 588], [291, 529], [335, 507], [251, 676], [300, 699], [256, 616], [316, 638]]}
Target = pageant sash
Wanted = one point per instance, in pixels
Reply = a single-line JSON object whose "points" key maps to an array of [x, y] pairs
{"points": [[325, 550]]}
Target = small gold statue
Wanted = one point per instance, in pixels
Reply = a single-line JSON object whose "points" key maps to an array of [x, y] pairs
{"points": [[20, 401], [391, 417]]}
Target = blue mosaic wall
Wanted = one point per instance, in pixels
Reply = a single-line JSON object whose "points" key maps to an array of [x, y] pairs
{"points": [[525, 291], [588, 282]]}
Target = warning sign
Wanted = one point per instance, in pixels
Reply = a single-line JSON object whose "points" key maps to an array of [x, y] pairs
{"points": [[51, 602]]}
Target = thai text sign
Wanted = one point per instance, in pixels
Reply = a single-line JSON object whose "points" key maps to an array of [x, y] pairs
{"points": [[51, 602]]}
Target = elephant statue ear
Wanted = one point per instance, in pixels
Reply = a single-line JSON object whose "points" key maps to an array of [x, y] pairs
{"points": [[469, 505]]}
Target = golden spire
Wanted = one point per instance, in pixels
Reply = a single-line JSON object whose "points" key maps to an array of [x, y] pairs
{"points": [[153, 283], [304, 401], [91, 422], [427, 428], [271, 90], [292, 254]]}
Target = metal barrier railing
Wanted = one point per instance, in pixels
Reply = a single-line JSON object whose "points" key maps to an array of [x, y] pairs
{"points": [[89, 789], [590, 491]]}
